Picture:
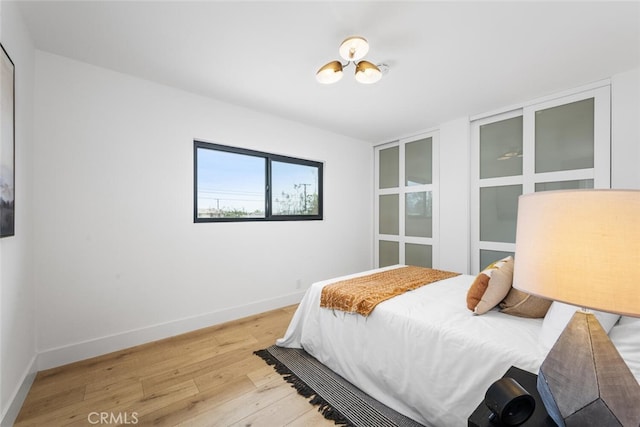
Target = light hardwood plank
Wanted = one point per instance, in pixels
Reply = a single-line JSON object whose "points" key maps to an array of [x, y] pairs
{"points": [[188, 409], [249, 403], [208, 377], [311, 418], [280, 413]]}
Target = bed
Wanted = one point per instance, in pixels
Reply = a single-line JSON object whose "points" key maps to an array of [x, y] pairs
{"points": [[423, 353]]}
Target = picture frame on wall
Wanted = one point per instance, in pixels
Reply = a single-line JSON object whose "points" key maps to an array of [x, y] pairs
{"points": [[7, 144]]}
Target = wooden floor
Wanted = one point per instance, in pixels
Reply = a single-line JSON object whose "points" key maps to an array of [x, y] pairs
{"points": [[208, 377]]}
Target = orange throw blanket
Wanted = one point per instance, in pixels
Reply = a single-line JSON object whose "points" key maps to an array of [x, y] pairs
{"points": [[362, 294]]}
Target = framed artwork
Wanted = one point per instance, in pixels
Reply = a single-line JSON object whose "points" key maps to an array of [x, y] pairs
{"points": [[7, 145]]}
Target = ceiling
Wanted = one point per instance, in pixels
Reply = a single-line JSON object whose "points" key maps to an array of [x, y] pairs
{"points": [[447, 59]]}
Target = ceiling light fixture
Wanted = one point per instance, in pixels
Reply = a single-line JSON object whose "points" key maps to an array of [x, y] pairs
{"points": [[352, 49]]}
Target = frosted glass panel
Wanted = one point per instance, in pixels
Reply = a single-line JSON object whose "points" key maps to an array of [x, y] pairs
{"points": [[564, 137], [418, 163], [418, 214], [419, 255], [389, 167], [564, 185], [501, 148], [389, 253], [498, 213], [487, 257], [389, 214]]}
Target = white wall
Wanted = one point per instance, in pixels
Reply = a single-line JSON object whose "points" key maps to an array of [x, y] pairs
{"points": [[118, 259], [17, 317], [455, 178], [625, 130]]}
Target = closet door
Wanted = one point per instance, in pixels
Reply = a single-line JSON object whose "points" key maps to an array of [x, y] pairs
{"points": [[558, 144], [405, 202]]}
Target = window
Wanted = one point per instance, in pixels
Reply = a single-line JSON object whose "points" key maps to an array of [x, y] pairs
{"points": [[235, 184]]}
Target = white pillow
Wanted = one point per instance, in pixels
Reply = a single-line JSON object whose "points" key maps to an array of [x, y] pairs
{"points": [[560, 314], [625, 337]]}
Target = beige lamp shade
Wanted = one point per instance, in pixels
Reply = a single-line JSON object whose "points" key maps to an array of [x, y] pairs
{"points": [[581, 247]]}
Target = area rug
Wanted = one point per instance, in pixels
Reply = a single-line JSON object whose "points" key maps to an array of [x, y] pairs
{"points": [[338, 400]]}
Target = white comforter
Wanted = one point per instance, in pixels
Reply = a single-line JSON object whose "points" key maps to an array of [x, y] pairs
{"points": [[422, 353]]}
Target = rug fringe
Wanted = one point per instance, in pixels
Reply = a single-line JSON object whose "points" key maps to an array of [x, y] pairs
{"points": [[324, 407]]}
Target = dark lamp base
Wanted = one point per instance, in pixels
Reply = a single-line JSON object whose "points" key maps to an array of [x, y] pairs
{"points": [[585, 382]]}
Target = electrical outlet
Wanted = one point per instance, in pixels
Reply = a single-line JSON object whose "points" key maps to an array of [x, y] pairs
{"points": [[299, 284]]}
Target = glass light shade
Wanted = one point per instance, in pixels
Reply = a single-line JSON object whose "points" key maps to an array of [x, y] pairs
{"points": [[330, 73], [354, 48], [367, 73], [581, 247]]}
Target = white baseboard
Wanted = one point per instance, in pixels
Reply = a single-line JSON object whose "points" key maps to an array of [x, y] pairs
{"points": [[9, 417], [59, 356]]}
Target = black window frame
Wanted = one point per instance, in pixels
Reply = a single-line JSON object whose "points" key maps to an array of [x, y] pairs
{"points": [[269, 158]]}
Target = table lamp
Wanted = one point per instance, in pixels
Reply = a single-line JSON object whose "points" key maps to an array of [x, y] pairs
{"points": [[582, 247]]}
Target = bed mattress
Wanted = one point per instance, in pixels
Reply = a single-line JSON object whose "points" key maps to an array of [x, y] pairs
{"points": [[422, 353]]}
